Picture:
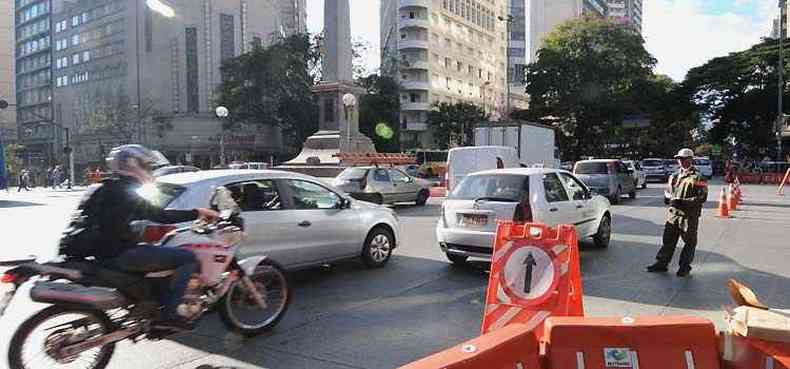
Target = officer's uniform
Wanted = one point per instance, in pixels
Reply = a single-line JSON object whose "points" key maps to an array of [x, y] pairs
{"points": [[688, 191]]}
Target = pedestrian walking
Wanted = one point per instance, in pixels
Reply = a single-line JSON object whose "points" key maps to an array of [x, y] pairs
{"points": [[24, 179], [49, 179], [56, 173], [686, 193]]}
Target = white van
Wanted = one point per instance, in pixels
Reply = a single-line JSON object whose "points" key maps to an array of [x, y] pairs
{"points": [[463, 161]]}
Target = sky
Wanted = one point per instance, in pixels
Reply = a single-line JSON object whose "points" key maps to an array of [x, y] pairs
{"points": [[681, 34]]}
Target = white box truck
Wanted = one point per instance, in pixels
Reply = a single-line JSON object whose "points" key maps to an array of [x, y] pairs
{"points": [[534, 143]]}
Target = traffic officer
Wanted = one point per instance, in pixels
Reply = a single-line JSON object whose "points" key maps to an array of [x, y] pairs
{"points": [[686, 193]]}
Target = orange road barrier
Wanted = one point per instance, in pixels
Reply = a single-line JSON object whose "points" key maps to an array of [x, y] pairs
{"points": [[732, 201], [724, 210], [355, 158], [535, 274], [748, 353], [781, 190], [513, 346], [650, 342]]}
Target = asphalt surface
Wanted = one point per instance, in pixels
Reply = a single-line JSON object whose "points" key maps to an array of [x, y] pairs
{"points": [[347, 316]]}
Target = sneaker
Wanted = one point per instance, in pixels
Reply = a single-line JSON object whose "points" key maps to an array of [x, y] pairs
{"points": [[684, 271], [657, 268]]}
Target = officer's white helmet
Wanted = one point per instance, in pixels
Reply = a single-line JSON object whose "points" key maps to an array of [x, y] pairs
{"points": [[685, 154], [118, 158]]}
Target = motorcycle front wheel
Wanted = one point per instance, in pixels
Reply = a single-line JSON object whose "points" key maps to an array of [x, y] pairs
{"points": [[240, 310], [39, 340]]}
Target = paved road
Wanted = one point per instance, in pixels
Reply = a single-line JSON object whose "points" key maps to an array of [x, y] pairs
{"points": [[346, 316]]}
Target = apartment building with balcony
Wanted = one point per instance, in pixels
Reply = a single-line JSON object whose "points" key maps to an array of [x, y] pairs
{"points": [[443, 51], [626, 12], [546, 15]]}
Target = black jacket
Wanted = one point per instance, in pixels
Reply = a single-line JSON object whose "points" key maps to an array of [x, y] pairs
{"points": [[116, 204]]}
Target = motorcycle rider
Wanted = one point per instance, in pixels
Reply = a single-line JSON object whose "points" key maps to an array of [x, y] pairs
{"points": [[116, 246]]}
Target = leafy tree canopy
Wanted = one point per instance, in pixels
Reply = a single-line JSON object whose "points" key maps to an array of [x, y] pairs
{"points": [[379, 110], [272, 86], [453, 124], [586, 78], [737, 93]]}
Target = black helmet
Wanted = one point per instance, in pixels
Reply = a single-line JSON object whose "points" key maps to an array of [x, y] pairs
{"points": [[118, 158]]}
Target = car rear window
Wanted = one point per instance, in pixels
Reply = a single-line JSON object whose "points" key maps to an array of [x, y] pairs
{"points": [[506, 188], [353, 173], [704, 162], [652, 163], [160, 194], [591, 167]]}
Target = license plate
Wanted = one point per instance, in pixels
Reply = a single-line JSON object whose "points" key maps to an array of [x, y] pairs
{"points": [[474, 220]]}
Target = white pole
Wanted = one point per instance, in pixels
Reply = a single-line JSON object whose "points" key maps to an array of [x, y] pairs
{"points": [[71, 168]]}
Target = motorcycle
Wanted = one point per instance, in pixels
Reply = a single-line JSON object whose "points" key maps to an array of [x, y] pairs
{"points": [[94, 307]]}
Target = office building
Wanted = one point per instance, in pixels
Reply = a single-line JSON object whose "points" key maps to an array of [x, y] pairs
{"points": [[127, 52], [517, 54], [444, 51], [775, 29], [546, 15], [33, 80], [7, 116], [626, 12]]}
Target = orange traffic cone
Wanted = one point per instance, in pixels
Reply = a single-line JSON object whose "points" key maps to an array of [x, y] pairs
{"points": [[724, 210], [732, 201]]}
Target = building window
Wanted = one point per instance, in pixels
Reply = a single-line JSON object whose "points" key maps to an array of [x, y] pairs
{"points": [[86, 56], [193, 95], [227, 37], [75, 21], [447, 63], [75, 40], [75, 59], [459, 66]]}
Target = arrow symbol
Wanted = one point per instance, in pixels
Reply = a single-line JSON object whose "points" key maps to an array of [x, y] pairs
{"points": [[530, 263]]}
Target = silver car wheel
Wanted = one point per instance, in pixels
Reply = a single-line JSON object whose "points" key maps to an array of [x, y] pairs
{"points": [[379, 248]]}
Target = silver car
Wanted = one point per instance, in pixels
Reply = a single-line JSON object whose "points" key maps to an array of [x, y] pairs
{"points": [[606, 177], [383, 185], [294, 219]]}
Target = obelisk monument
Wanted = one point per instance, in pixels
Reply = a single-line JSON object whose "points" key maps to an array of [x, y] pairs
{"points": [[338, 125]]}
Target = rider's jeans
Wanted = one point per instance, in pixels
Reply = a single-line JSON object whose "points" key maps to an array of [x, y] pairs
{"points": [[145, 259]]}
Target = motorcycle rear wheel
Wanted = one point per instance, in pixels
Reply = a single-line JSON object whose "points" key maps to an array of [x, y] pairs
{"points": [[93, 320], [270, 280]]}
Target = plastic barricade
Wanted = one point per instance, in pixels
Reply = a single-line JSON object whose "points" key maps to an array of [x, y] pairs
{"points": [[748, 353], [511, 347], [665, 342], [535, 274]]}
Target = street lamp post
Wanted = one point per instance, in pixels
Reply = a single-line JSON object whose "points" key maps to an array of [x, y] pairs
{"points": [[508, 22], [780, 113], [222, 113], [349, 103]]}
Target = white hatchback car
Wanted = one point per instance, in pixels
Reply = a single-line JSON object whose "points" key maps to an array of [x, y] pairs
{"points": [[550, 196], [295, 219]]}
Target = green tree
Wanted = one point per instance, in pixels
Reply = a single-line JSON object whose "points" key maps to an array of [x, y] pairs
{"points": [[116, 116], [379, 110], [271, 86], [583, 78], [453, 124], [737, 93], [13, 162]]}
